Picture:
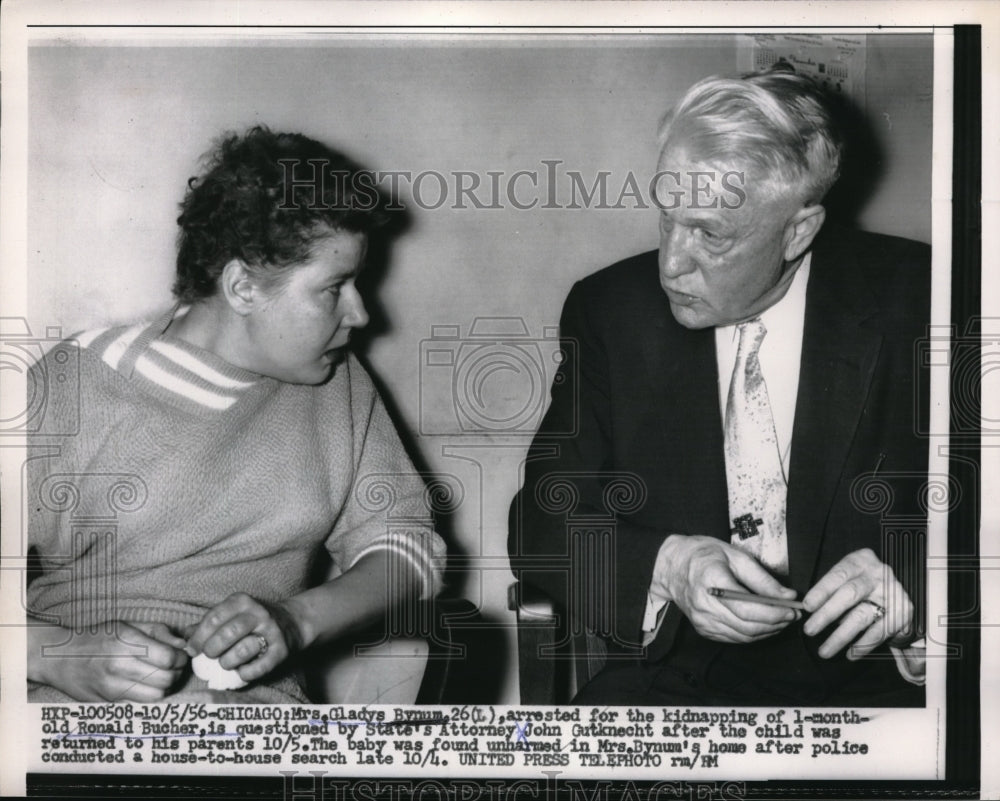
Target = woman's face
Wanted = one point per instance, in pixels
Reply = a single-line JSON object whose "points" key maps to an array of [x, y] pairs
{"points": [[298, 334]]}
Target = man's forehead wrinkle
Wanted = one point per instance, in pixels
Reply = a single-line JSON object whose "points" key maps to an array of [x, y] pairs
{"points": [[719, 217], [723, 215]]}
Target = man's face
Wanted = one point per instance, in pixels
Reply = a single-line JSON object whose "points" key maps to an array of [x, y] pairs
{"points": [[723, 240]]}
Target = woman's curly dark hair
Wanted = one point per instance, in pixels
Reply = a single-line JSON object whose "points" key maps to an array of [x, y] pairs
{"points": [[265, 198]]}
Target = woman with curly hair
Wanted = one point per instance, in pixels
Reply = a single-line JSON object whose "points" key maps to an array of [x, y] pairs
{"points": [[246, 435]]}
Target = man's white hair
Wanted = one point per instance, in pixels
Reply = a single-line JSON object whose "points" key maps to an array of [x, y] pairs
{"points": [[780, 123]]}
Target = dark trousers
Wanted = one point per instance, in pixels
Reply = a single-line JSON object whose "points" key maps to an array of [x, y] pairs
{"points": [[776, 672]]}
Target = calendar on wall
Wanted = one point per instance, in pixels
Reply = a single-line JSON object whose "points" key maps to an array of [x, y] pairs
{"points": [[834, 60]]}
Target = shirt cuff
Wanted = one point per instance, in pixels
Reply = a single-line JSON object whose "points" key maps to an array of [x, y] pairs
{"points": [[651, 620], [912, 662]]}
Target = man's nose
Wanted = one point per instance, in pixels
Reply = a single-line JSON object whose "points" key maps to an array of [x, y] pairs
{"points": [[674, 258]]}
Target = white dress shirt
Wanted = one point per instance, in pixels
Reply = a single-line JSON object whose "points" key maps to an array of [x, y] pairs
{"points": [[780, 356]]}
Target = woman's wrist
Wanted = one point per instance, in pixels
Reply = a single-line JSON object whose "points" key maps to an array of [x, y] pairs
{"points": [[39, 636], [357, 598], [294, 618]]}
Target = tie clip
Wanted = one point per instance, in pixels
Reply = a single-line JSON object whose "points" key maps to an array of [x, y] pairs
{"points": [[746, 526]]}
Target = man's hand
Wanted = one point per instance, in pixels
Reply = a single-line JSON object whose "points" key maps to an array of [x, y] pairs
{"points": [[852, 592], [231, 632], [139, 662], [687, 566]]}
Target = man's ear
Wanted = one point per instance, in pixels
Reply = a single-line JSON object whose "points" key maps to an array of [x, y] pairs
{"points": [[802, 229], [238, 287]]}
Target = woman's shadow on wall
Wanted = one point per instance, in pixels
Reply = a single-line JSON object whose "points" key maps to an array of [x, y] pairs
{"points": [[475, 677]]}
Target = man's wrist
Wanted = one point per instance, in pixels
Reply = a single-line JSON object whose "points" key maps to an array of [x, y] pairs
{"points": [[911, 661], [663, 572]]}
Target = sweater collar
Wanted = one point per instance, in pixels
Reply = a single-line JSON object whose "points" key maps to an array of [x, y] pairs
{"points": [[184, 369]]}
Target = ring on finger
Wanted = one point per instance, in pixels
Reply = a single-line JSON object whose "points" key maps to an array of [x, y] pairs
{"points": [[878, 610], [262, 645]]}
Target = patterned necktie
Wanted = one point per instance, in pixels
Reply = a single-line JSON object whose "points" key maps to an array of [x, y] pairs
{"points": [[757, 487]]}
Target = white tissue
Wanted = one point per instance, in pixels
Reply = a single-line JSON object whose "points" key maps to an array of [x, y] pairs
{"points": [[218, 677]]}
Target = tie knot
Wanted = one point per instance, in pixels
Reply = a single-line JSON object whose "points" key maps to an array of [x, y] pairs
{"points": [[751, 335]]}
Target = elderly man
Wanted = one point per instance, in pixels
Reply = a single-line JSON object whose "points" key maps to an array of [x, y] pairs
{"points": [[744, 382]]}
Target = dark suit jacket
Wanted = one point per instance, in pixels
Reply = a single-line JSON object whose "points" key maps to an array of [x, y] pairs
{"points": [[642, 399]]}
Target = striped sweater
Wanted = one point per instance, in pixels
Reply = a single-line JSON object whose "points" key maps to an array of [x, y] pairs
{"points": [[172, 479]]}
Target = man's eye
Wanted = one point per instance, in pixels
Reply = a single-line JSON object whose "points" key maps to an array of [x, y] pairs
{"points": [[709, 236], [334, 291]]}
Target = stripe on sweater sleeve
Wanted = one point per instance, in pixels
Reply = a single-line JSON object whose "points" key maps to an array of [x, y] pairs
{"points": [[386, 506], [417, 549]]}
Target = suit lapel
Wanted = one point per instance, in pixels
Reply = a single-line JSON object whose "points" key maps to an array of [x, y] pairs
{"points": [[840, 349], [839, 354], [682, 378]]}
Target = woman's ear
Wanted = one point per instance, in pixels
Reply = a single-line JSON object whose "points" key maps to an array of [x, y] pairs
{"points": [[802, 229], [238, 287]]}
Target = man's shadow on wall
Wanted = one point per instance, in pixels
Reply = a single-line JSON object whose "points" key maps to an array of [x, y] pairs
{"points": [[862, 163]]}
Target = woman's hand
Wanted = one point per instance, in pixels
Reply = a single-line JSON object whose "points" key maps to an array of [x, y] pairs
{"points": [[137, 662], [246, 635], [234, 631]]}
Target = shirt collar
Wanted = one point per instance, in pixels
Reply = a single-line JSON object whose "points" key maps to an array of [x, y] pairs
{"points": [[784, 316]]}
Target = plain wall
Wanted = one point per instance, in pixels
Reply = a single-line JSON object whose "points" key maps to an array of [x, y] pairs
{"points": [[115, 131]]}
